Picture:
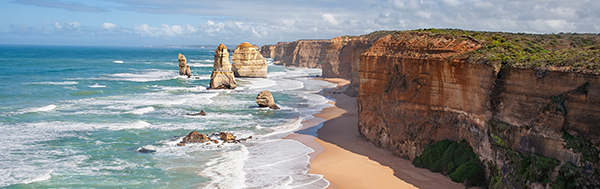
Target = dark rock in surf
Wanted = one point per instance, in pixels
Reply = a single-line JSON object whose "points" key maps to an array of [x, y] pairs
{"points": [[195, 137]]}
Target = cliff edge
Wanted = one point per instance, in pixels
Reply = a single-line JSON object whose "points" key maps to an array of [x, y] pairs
{"points": [[515, 98]]}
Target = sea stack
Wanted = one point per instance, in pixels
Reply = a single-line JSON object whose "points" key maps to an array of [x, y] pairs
{"points": [[265, 99], [222, 76], [184, 69], [248, 62]]}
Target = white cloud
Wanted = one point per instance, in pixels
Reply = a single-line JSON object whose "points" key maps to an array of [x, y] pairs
{"points": [[422, 14], [108, 25], [237, 21], [329, 18], [57, 25], [452, 2]]}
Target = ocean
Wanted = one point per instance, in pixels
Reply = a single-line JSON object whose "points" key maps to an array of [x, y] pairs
{"points": [[78, 117]]}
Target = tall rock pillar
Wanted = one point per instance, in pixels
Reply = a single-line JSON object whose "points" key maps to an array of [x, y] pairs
{"points": [[184, 69], [222, 76]]}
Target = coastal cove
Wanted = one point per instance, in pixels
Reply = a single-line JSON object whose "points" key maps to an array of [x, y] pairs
{"points": [[112, 116]]}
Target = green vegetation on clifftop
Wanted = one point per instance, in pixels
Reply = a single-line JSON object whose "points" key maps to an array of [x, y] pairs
{"points": [[563, 52]]}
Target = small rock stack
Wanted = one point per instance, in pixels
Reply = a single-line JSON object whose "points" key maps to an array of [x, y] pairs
{"points": [[184, 69]]}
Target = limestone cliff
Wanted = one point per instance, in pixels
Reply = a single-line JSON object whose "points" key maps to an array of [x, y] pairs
{"points": [[248, 62], [494, 91], [279, 52], [268, 51], [338, 57], [335, 61], [222, 76]]}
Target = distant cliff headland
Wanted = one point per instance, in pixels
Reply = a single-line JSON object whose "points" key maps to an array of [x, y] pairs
{"points": [[528, 105]]}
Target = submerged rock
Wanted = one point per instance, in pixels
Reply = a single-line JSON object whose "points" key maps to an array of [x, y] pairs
{"points": [[195, 137], [144, 150], [184, 69], [226, 136], [265, 99], [222, 76], [248, 62], [202, 113]]}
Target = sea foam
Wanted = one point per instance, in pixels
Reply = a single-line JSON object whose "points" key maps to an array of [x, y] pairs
{"points": [[40, 178], [142, 110]]}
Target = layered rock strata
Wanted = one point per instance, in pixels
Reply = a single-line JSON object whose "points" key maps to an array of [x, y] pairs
{"points": [[184, 69], [416, 88], [302, 53], [248, 62], [222, 77], [338, 57]]}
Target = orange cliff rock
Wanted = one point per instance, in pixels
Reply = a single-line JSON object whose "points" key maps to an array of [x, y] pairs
{"points": [[248, 62], [268, 51], [338, 57], [417, 88], [222, 76]]}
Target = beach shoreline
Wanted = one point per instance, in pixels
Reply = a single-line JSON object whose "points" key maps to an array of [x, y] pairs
{"points": [[347, 160]]}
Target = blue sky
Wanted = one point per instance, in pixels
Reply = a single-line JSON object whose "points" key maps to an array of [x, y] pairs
{"points": [[199, 22]]}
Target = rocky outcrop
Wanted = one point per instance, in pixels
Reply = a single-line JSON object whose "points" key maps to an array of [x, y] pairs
{"points": [[268, 51], [226, 136], [195, 137], [184, 69], [416, 88], [222, 76], [248, 62], [265, 99]]}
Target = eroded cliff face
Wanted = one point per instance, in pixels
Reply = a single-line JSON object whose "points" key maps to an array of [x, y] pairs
{"points": [[412, 93], [338, 57], [418, 88], [335, 62], [305, 53], [268, 51]]}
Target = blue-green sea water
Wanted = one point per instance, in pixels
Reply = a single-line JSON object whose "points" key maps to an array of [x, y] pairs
{"points": [[77, 117]]}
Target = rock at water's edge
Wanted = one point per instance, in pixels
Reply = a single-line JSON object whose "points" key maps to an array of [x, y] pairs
{"points": [[265, 99], [226, 136], [222, 76], [195, 137]]}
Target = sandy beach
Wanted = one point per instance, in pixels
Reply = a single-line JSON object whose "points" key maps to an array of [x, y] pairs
{"points": [[349, 161]]}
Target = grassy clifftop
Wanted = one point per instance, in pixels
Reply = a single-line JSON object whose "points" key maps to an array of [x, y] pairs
{"points": [[563, 51]]}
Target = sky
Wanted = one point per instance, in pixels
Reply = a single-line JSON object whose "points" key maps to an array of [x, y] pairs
{"points": [[262, 22]]}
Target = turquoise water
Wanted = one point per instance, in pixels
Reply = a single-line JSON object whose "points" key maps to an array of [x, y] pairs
{"points": [[73, 117]]}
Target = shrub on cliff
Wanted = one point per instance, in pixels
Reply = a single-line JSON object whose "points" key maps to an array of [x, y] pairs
{"points": [[569, 52], [456, 159]]}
